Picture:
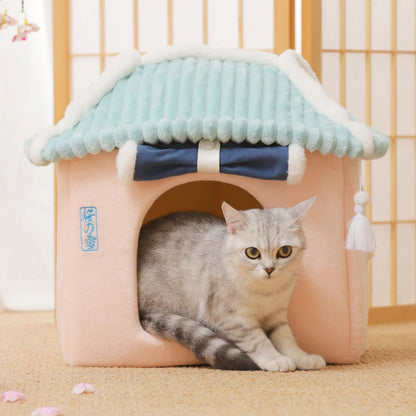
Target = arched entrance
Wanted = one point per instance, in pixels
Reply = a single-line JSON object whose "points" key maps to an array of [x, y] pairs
{"points": [[203, 196]]}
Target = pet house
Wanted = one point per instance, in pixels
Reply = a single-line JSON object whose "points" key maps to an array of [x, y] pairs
{"points": [[187, 129]]}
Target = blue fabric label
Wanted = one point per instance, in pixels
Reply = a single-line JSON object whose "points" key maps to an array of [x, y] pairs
{"points": [[89, 228]]}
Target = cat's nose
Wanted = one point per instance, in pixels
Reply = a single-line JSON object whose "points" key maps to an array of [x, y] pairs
{"points": [[269, 270]]}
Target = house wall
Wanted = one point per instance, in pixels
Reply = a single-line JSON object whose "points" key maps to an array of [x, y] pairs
{"points": [[97, 310]]}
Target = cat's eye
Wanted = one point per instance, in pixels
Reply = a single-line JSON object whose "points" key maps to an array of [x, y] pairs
{"points": [[253, 253], [284, 252]]}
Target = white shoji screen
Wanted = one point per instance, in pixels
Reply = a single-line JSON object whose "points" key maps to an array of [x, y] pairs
{"points": [[368, 65], [100, 29]]}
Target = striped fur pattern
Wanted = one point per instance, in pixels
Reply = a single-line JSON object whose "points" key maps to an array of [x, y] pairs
{"points": [[209, 346], [222, 289]]}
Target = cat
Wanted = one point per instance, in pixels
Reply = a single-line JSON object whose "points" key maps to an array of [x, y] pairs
{"points": [[222, 289]]}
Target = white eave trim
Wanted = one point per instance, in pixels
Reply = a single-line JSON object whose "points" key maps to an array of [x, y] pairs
{"points": [[296, 164], [118, 68], [300, 73]]}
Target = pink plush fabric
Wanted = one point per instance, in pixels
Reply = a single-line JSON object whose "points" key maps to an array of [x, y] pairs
{"points": [[97, 308]]}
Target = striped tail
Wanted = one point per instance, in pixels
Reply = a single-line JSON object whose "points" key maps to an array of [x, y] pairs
{"points": [[208, 346]]}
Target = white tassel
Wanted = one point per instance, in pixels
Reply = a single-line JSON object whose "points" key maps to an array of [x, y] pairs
{"points": [[360, 234]]}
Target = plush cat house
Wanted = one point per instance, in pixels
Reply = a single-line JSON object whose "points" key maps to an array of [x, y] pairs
{"points": [[185, 129]]}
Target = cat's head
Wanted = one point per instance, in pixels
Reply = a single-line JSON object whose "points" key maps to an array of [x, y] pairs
{"points": [[267, 243]]}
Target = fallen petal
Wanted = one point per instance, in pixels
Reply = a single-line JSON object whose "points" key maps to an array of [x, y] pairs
{"points": [[84, 388], [47, 411], [12, 396]]}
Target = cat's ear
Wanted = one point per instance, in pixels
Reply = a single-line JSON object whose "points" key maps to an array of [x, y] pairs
{"points": [[298, 211], [234, 219]]}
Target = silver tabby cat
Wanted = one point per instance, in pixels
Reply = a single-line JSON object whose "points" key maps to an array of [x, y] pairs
{"points": [[223, 289]]}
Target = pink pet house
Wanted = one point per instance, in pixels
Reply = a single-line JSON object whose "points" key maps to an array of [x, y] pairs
{"points": [[185, 129]]}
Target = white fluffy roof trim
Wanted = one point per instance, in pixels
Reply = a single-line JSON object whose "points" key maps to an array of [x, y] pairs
{"points": [[126, 161], [300, 73], [120, 67], [170, 53], [290, 62]]}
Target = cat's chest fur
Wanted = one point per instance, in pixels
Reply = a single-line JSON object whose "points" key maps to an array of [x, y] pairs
{"points": [[255, 303]]}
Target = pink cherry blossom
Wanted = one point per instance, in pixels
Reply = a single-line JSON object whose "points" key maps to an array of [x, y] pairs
{"points": [[84, 388], [24, 30], [47, 411], [6, 20], [12, 396]]}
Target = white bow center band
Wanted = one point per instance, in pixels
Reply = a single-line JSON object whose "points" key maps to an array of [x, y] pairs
{"points": [[208, 156]]}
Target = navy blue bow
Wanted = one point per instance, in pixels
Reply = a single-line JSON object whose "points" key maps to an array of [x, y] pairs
{"points": [[256, 161]]}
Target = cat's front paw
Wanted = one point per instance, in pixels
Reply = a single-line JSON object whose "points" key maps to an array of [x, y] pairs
{"points": [[310, 362], [282, 364], [286, 363]]}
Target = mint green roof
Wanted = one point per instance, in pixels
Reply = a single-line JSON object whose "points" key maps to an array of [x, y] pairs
{"points": [[196, 98]]}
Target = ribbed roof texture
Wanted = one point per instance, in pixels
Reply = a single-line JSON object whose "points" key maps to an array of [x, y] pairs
{"points": [[207, 96]]}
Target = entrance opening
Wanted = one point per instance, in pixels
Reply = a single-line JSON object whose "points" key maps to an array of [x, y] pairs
{"points": [[203, 196]]}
